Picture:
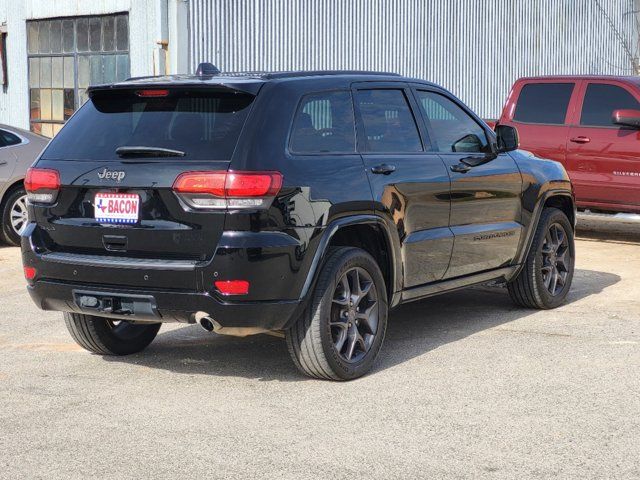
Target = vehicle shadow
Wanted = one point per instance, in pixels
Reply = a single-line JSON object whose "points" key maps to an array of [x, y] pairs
{"points": [[413, 330]]}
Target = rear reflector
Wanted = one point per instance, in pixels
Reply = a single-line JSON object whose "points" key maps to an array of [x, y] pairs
{"points": [[212, 190], [232, 287], [152, 93], [29, 273], [42, 185]]}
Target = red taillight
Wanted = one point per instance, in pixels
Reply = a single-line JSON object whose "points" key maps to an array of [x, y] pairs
{"points": [[201, 182], [30, 273], [152, 93], [232, 287], [227, 189], [42, 185], [266, 184]]}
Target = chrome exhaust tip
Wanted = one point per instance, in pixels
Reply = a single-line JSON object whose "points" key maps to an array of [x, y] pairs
{"points": [[207, 324]]}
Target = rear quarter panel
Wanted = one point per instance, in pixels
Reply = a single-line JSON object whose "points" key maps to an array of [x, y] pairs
{"points": [[317, 190]]}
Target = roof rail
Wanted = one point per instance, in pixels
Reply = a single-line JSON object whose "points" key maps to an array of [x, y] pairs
{"points": [[313, 73]]}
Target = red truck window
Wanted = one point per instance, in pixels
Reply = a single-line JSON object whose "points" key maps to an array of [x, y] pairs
{"points": [[544, 103], [601, 100]]}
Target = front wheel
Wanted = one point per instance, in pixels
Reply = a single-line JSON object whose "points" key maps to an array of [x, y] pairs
{"points": [[545, 278], [340, 334], [106, 336]]}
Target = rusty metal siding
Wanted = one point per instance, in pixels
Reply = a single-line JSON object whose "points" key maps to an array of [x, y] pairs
{"points": [[475, 48]]}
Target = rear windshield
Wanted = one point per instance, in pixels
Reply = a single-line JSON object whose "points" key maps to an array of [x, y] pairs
{"points": [[204, 125]]}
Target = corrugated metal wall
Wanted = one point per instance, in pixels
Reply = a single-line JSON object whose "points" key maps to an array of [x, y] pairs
{"points": [[475, 48]]}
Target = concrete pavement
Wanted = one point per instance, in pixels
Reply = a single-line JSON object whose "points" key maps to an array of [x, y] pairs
{"points": [[467, 386]]}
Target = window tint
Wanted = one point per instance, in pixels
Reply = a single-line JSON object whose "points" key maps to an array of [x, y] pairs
{"points": [[388, 123], [324, 123], [8, 138], [453, 129], [206, 126], [543, 103], [601, 100]]}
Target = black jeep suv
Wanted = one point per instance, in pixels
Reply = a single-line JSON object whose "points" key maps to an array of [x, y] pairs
{"points": [[307, 203]]}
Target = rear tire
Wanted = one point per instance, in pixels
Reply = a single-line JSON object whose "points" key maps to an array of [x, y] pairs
{"points": [[545, 278], [13, 216], [340, 334], [106, 337]]}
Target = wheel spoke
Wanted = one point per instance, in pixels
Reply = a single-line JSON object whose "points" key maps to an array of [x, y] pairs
{"points": [[360, 341], [339, 344], [346, 292], [365, 318], [561, 261], [353, 339], [554, 282], [340, 325], [356, 290], [363, 292], [554, 238], [562, 278]]}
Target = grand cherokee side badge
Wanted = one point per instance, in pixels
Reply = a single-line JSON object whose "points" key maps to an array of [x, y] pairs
{"points": [[117, 175]]}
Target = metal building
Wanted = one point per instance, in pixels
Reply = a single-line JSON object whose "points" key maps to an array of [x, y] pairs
{"points": [[51, 50], [475, 48]]}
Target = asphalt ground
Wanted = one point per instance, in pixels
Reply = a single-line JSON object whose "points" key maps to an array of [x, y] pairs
{"points": [[467, 386]]}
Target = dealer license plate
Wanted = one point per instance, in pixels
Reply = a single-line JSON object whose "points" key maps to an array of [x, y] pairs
{"points": [[117, 207]]}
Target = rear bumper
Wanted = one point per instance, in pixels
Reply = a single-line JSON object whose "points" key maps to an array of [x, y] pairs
{"points": [[161, 305], [175, 290]]}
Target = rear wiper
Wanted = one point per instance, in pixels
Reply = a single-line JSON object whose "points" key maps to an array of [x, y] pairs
{"points": [[140, 151]]}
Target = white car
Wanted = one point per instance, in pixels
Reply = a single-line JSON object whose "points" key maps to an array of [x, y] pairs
{"points": [[18, 150]]}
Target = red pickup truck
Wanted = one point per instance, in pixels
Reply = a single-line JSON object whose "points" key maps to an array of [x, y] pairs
{"points": [[589, 124]]}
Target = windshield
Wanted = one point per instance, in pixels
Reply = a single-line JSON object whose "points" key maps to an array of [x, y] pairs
{"points": [[202, 125]]}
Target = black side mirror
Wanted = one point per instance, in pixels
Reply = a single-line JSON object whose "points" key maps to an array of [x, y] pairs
{"points": [[507, 137], [626, 117]]}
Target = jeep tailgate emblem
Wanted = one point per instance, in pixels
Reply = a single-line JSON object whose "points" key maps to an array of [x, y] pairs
{"points": [[117, 175]]}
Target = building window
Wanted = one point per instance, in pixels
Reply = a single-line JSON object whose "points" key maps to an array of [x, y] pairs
{"points": [[66, 55]]}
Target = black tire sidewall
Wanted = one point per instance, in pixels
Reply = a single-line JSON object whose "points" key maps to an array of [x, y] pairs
{"points": [[103, 339], [550, 217], [8, 235], [350, 370]]}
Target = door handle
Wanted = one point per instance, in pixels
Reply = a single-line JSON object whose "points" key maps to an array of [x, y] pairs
{"points": [[460, 168], [383, 169], [580, 139]]}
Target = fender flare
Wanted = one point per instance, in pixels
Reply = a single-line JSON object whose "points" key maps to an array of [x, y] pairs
{"points": [[533, 226], [393, 244]]}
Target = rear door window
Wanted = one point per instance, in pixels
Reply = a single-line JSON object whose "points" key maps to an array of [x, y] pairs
{"points": [[387, 121], [205, 125], [600, 101], [453, 129], [324, 124], [7, 139], [543, 103]]}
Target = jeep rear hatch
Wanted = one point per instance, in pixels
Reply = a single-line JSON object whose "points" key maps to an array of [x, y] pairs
{"points": [[118, 158]]}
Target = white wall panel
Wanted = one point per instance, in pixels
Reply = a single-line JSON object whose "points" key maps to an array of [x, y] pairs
{"points": [[476, 48]]}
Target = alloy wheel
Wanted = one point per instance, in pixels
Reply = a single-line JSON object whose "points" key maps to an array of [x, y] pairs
{"points": [[354, 315], [18, 215], [555, 259]]}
